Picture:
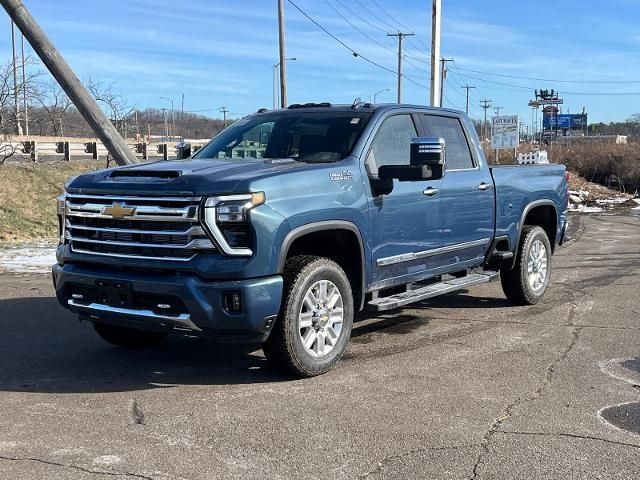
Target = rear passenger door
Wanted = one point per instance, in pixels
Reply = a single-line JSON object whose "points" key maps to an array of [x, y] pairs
{"points": [[468, 208]]}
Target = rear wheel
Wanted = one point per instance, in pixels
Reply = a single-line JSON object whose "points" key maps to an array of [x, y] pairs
{"points": [[315, 321], [527, 281], [128, 337]]}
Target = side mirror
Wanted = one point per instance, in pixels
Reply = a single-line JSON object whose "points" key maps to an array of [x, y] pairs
{"points": [[426, 162], [428, 151]]}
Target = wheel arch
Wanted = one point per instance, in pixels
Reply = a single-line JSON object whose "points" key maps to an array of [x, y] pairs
{"points": [[542, 213], [308, 239]]}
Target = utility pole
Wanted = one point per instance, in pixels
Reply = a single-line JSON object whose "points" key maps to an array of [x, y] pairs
{"points": [[497, 110], [16, 87], [70, 83], [166, 128], [24, 89], [224, 111], [485, 104], [443, 76], [436, 20], [283, 56], [467, 87], [400, 36]]}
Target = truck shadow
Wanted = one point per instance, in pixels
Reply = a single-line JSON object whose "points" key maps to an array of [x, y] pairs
{"points": [[44, 349]]}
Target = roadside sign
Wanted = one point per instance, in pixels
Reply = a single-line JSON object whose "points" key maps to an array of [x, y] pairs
{"points": [[504, 132], [565, 121], [551, 101]]}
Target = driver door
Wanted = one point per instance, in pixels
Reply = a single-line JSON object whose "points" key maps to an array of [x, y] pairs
{"points": [[407, 223]]}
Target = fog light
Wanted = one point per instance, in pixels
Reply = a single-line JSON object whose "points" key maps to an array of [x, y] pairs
{"points": [[232, 302]]}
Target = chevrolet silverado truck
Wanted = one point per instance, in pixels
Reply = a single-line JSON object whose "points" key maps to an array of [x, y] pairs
{"points": [[290, 221]]}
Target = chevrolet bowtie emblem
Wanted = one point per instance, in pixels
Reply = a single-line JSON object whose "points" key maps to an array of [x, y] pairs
{"points": [[118, 211]]}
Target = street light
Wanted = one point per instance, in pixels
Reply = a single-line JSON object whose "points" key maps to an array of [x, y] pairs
{"points": [[173, 118], [375, 96], [276, 83]]}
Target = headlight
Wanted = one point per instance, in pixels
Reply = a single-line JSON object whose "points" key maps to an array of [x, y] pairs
{"points": [[227, 219], [61, 210]]}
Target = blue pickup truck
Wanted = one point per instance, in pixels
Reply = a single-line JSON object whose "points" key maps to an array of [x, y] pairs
{"points": [[290, 221]]}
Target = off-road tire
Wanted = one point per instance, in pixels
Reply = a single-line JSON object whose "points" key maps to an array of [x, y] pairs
{"points": [[284, 346], [515, 284], [129, 337]]}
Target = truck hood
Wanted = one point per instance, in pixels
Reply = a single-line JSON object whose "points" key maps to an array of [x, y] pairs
{"points": [[181, 177]]}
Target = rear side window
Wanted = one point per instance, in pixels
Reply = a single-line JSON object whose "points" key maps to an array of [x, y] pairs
{"points": [[392, 144], [457, 148]]}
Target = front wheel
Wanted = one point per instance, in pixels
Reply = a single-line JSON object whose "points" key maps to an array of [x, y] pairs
{"points": [[527, 281], [128, 337], [315, 321]]}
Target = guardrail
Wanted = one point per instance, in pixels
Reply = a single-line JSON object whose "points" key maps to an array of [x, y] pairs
{"points": [[60, 148]]}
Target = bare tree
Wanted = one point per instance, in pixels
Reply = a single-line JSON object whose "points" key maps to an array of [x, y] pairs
{"points": [[54, 105], [7, 116], [115, 103]]}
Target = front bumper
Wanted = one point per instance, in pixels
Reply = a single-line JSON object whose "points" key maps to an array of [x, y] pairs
{"points": [[198, 305]]}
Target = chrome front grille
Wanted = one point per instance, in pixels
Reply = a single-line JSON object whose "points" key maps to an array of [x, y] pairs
{"points": [[152, 228]]}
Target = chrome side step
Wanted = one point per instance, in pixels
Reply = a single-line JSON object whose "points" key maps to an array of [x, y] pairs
{"points": [[182, 321], [382, 304]]}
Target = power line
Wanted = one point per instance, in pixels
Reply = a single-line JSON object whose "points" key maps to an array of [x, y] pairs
{"points": [[372, 25], [427, 48], [361, 18], [353, 52], [549, 79], [359, 30], [367, 9], [529, 88]]}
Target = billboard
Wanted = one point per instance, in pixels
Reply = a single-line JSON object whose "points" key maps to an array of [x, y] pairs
{"points": [[565, 121], [504, 132]]}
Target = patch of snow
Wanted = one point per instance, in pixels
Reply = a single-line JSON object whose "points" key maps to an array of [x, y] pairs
{"points": [[612, 201], [27, 258], [585, 209]]}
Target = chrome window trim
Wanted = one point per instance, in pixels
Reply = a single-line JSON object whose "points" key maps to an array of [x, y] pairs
{"points": [[408, 257]]}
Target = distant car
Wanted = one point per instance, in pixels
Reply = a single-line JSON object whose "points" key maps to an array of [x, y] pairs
{"points": [[290, 221]]}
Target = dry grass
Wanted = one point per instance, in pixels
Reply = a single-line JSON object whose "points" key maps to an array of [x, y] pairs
{"points": [[615, 166], [27, 197]]}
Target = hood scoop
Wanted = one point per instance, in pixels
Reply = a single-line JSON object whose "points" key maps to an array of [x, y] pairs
{"points": [[145, 174]]}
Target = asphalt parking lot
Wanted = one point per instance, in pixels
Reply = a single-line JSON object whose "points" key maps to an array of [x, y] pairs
{"points": [[462, 387]]}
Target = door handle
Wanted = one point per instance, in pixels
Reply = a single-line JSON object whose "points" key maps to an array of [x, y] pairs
{"points": [[430, 192], [484, 186]]}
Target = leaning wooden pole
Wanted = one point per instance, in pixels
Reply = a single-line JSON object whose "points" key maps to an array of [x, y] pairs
{"points": [[70, 83]]}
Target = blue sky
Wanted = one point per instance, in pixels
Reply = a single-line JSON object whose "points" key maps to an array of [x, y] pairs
{"points": [[222, 53]]}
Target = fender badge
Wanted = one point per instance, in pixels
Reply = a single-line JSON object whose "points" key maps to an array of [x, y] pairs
{"points": [[340, 176]]}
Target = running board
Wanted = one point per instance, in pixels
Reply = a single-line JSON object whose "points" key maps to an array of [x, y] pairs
{"points": [[382, 304]]}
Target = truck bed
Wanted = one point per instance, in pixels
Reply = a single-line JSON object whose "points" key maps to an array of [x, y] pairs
{"points": [[518, 187]]}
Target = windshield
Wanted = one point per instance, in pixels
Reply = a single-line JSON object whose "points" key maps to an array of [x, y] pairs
{"points": [[310, 137]]}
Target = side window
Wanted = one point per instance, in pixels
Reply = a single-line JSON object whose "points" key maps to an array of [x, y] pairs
{"points": [[457, 148], [392, 144]]}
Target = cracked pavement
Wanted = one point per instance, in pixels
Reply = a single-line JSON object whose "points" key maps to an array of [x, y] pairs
{"points": [[461, 387]]}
